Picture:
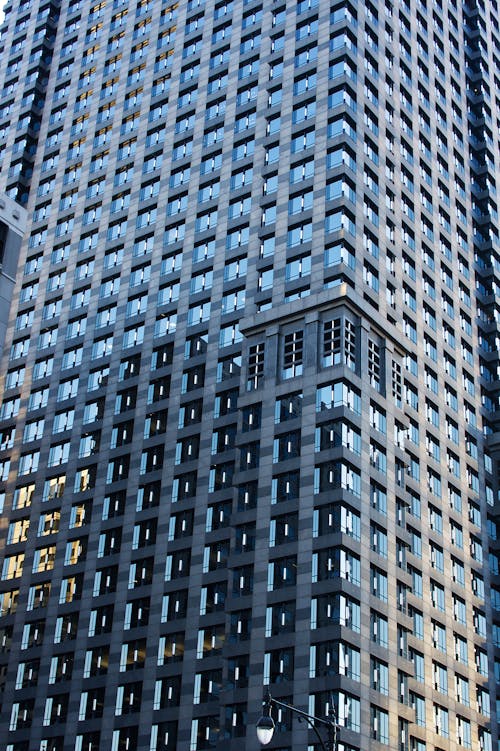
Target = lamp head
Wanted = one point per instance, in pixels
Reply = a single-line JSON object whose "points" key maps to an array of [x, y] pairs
{"points": [[265, 729]]}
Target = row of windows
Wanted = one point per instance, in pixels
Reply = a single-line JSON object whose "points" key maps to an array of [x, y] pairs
{"points": [[281, 529], [295, 269], [33, 429], [208, 727], [477, 547], [326, 564], [33, 265], [280, 618], [292, 350], [57, 279], [278, 666]]}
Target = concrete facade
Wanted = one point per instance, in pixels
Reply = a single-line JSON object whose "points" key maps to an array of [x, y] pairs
{"points": [[12, 224], [248, 424]]}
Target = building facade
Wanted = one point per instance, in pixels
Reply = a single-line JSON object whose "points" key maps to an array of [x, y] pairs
{"points": [[250, 388], [12, 227]]}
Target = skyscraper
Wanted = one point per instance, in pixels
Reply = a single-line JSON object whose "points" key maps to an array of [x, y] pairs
{"points": [[250, 392]]}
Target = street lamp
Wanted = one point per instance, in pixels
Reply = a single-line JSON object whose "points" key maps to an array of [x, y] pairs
{"points": [[265, 726]]}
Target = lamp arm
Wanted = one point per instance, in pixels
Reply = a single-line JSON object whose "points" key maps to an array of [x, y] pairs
{"points": [[311, 720]]}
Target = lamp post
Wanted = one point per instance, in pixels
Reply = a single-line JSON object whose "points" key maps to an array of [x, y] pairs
{"points": [[265, 726]]}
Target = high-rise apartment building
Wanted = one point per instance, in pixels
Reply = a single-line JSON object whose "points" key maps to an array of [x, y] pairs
{"points": [[249, 423]]}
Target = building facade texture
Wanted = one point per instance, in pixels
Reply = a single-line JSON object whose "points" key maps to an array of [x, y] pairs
{"points": [[249, 417], [12, 227]]}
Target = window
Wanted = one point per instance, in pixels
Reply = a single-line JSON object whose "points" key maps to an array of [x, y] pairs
{"points": [[379, 629], [437, 596], [418, 703], [419, 665], [32, 431], [27, 463], [255, 366], [463, 732], [293, 350], [440, 678], [380, 725], [437, 557], [337, 433], [379, 676], [435, 519], [459, 610], [379, 583], [457, 537], [441, 721], [67, 389], [63, 421], [338, 394], [349, 711], [378, 457], [332, 342], [300, 234]]}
